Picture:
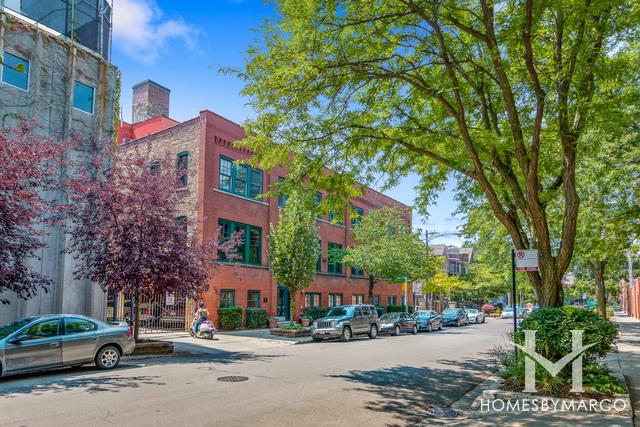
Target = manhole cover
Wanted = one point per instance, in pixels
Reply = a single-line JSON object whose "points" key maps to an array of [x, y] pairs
{"points": [[444, 412], [232, 379]]}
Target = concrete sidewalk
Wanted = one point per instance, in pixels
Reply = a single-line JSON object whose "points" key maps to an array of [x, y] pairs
{"points": [[629, 352]]}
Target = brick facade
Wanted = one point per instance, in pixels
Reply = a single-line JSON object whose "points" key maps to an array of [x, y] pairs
{"points": [[207, 138], [630, 298]]}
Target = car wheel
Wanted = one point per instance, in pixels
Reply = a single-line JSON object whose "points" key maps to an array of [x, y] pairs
{"points": [[483, 319], [477, 321], [414, 330], [458, 323], [373, 332], [108, 357], [397, 330], [346, 334], [440, 326], [429, 327]]}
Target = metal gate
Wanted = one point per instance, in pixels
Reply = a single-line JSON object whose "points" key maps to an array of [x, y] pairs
{"points": [[158, 312]]}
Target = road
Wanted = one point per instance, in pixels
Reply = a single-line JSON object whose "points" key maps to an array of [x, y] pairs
{"points": [[386, 381]]}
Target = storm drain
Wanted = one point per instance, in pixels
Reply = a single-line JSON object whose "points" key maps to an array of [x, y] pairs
{"points": [[232, 379], [444, 412]]}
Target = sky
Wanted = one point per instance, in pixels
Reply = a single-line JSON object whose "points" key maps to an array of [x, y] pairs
{"points": [[183, 44]]}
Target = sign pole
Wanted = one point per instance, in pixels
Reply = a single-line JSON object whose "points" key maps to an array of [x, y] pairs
{"points": [[513, 290]]}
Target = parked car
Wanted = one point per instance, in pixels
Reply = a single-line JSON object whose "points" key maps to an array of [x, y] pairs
{"points": [[475, 316], [507, 313], [428, 320], [345, 321], [396, 323], [55, 341], [455, 316]]}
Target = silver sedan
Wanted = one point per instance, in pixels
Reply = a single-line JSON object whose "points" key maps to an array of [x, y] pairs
{"points": [[55, 341]]}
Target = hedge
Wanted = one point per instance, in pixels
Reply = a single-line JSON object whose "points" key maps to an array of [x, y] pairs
{"points": [[380, 310], [230, 317], [256, 318], [399, 308], [314, 313]]}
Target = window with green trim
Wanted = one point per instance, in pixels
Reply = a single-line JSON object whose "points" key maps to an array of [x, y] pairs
{"points": [[357, 272], [392, 300], [312, 299], [253, 299], [357, 299], [336, 218], [319, 260], [333, 267], [154, 167], [374, 300], [242, 180], [227, 298], [282, 198], [182, 168], [250, 247], [335, 299], [356, 215]]}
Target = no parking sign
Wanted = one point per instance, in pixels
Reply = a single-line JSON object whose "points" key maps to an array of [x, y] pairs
{"points": [[526, 260]]}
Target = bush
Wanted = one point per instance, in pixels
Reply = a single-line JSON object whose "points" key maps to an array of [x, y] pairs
{"points": [[380, 310], [256, 318], [314, 313], [230, 318], [487, 308], [610, 312], [394, 308]]}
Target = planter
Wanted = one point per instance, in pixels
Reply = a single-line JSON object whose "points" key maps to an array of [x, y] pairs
{"points": [[273, 323], [150, 347], [291, 333], [305, 322]]}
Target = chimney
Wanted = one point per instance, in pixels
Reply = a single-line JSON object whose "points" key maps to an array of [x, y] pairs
{"points": [[149, 100]]}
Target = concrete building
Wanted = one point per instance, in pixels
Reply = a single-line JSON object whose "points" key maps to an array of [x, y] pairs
{"points": [[222, 194], [56, 72]]}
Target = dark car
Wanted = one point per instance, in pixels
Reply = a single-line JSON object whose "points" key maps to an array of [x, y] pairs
{"points": [[56, 341], [455, 316], [396, 323], [428, 320], [345, 321]]}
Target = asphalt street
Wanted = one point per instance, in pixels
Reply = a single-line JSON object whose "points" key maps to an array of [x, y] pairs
{"points": [[381, 382]]}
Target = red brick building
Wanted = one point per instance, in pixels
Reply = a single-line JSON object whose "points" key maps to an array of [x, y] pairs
{"points": [[219, 193], [630, 297]]}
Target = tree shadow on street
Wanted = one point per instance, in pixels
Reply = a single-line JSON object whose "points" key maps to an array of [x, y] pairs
{"points": [[410, 392]]}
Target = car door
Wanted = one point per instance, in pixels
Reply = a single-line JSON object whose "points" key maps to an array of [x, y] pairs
{"points": [[38, 346], [359, 321], [404, 322], [80, 340]]}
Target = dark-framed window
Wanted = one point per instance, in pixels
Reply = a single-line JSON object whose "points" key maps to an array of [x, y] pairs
{"points": [[182, 221], [336, 218], [182, 168], [333, 267], [253, 299], [154, 167], [357, 272], [242, 180], [83, 97], [335, 299], [312, 299], [374, 300], [227, 298], [392, 300], [356, 215], [282, 198], [317, 199], [250, 248], [15, 71], [453, 268], [319, 260], [357, 299]]}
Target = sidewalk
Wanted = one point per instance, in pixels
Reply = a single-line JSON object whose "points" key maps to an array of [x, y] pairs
{"points": [[629, 352]]}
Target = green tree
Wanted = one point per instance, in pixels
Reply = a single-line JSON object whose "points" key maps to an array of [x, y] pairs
{"points": [[386, 248], [293, 247], [451, 286], [501, 94]]}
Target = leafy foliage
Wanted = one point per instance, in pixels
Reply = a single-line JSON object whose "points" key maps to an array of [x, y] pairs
{"points": [[230, 318], [256, 318], [314, 313]]}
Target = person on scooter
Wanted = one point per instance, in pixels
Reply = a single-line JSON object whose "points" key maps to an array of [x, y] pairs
{"points": [[202, 314]]}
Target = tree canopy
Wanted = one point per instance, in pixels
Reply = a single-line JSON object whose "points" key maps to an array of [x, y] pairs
{"points": [[501, 93]]}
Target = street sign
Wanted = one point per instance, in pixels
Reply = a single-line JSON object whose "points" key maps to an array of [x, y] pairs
{"points": [[568, 280], [526, 260]]}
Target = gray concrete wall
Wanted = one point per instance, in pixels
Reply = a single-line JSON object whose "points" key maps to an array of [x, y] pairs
{"points": [[55, 64]]}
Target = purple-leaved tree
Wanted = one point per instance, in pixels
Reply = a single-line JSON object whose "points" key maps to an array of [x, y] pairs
{"points": [[127, 232]]}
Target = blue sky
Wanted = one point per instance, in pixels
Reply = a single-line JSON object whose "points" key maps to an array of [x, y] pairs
{"points": [[183, 44]]}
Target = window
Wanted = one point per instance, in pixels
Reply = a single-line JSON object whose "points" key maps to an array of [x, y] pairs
{"points": [[374, 300], [334, 266], [392, 300], [336, 218], [317, 199], [154, 167], [182, 221], [356, 215], [453, 268], [357, 272], [83, 97], [227, 298], [311, 299], [182, 168], [282, 198], [78, 326], [335, 299], [357, 299], [253, 299], [44, 329], [15, 71], [242, 180], [250, 248], [319, 260]]}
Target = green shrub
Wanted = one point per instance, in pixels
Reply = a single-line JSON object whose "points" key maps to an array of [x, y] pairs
{"points": [[380, 310], [230, 318], [610, 312], [314, 313], [554, 325], [256, 318], [394, 308]]}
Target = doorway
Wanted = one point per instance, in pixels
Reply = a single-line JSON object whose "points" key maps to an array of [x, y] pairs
{"points": [[282, 308]]}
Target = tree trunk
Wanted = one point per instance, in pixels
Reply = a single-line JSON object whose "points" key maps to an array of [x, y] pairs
{"points": [[292, 307], [371, 283], [601, 298], [136, 315]]}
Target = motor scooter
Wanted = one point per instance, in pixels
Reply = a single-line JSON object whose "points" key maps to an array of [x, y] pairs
{"points": [[206, 330]]}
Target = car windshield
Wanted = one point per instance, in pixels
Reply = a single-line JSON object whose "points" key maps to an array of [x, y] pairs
{"points": [[9, 328], [389, 316], [422, 314], [472, 311], [508, 309], [340, 312], [451, 311]]}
